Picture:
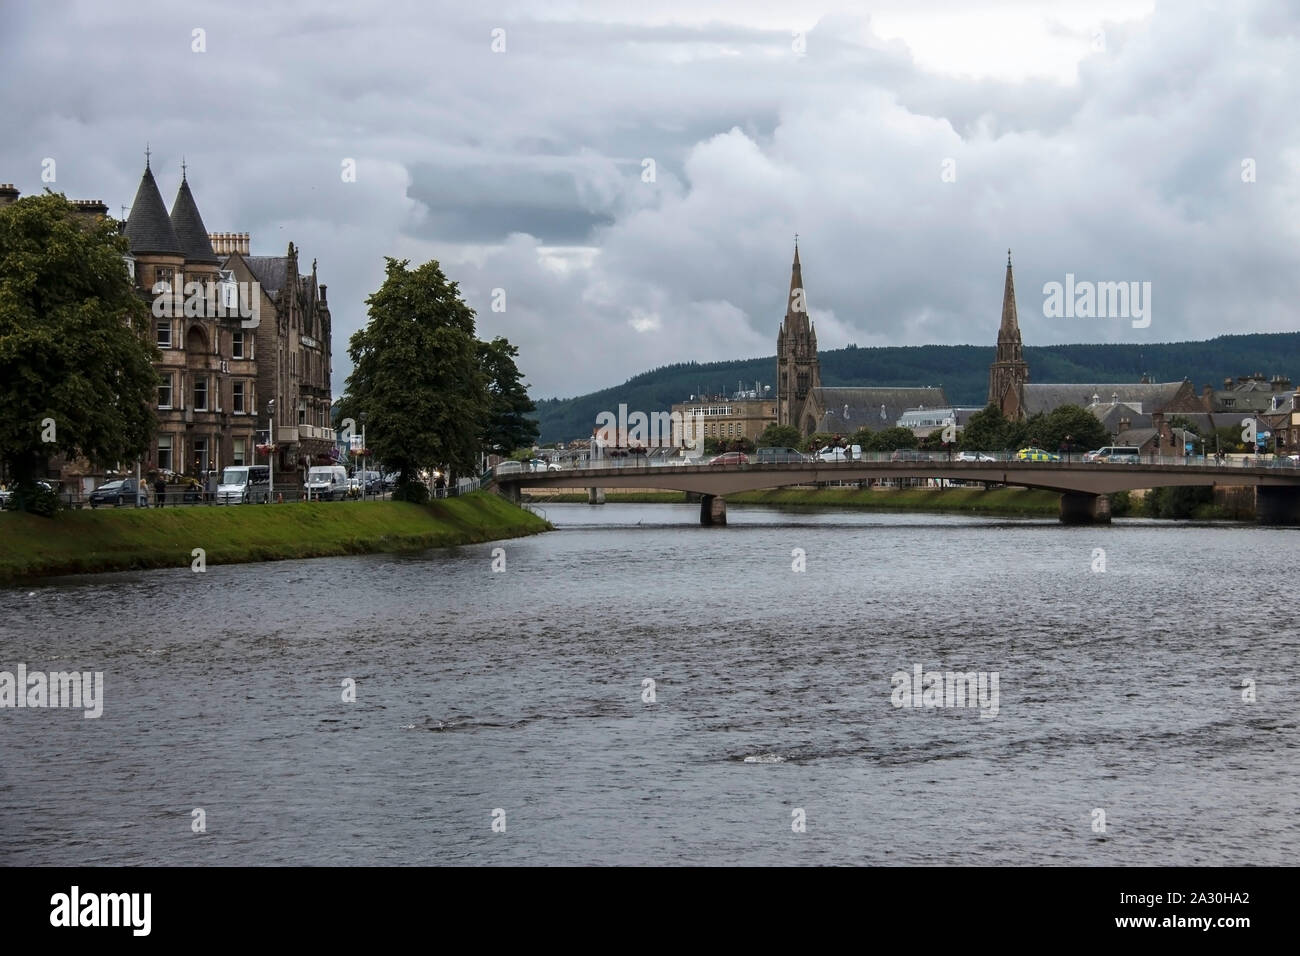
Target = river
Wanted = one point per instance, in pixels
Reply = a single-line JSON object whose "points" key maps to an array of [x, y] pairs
{"points": [[1121, 735]]}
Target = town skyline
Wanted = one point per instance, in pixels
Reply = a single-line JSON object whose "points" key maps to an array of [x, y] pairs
{"points": [[1120, 145]]}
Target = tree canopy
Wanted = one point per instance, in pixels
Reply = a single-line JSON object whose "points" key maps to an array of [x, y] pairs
{"points": [[76, 347], [508, 425], [417, 375]]}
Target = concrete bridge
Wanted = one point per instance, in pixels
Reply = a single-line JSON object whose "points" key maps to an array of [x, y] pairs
{"points": [[1082, 485]]}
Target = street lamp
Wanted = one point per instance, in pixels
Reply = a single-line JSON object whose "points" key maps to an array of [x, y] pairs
{"points": [[270, 451], [362, 417]]}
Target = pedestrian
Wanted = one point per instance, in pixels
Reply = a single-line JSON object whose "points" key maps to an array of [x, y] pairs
{"points": [[160, 491]]}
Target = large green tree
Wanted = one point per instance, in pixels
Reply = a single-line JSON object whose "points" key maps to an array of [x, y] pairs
{"points": [[779, 436], [509, 422], [76, 348], [417, 376], [1075, 426]]}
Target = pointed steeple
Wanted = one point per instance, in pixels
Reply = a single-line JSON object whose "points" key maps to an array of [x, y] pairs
{"points": [[796, 303], [189, 228], [798, 370], [1009, 371], [1009, 331], [149, 228]]}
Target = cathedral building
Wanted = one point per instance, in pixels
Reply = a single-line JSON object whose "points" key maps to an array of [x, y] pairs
{"points": [[802, 400]]}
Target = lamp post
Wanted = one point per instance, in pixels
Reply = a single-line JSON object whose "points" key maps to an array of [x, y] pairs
{"points": [[270, 451], [362, 417]]}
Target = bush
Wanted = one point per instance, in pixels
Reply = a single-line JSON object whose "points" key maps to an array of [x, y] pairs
{"points": [[415, 491], [1121, 504]]}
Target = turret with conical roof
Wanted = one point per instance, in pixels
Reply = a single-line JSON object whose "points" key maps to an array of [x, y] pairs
{"points": [[188, 226], [1009, 371], [798, 370], [148, 227]]}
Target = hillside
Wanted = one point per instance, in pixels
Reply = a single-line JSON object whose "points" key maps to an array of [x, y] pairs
{"points": [[961, 369]]}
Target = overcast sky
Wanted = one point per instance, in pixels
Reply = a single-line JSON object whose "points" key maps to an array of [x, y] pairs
{"points": [[1104, 139]]}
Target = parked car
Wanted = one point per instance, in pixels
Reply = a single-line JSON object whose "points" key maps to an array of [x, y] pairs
{"points": [[730, 458], [1117, 454], [835, 453], [555, 466], [244, 484], [7, 493], [117, 494], [508, 467], [1036, 454], [767, 456], [975, 456], [327, 483]]}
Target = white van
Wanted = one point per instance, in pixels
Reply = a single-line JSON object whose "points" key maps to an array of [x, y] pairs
{"points": [[327, 483], [1118, 454], [244, 484]]}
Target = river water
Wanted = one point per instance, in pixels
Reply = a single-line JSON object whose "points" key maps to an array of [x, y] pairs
{"points": [[523, 690]]}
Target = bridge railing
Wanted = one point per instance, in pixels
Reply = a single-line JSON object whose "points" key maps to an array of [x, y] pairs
{"points": [[906, 456]]}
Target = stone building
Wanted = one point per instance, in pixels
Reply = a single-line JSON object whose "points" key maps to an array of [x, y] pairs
{"points": [[293, 341], [234, 332], [208, 365], [725, 419], [798, 369]]}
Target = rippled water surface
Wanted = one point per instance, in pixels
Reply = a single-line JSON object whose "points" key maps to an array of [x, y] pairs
{"points": [[523, 690]]}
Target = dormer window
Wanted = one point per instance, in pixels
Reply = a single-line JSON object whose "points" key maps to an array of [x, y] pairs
{"points": [[229, 291]]}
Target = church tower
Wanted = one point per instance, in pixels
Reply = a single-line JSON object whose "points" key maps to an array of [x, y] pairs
{"points": [[798, 370], [1009, 371]]}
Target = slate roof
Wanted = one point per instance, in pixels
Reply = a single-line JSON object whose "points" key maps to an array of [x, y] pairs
{"points": [[271, 272], [1151, 398], [864, 406], [189, 228], [1136, 436], [148, 227]]}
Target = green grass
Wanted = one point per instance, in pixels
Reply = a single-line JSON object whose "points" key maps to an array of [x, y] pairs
{"points": [[84, 541]]}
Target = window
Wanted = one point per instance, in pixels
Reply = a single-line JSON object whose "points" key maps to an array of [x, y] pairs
{"points": [[302, 413], [165, 334], [238, 454], [165, 452], [200, 393], [237, 346], [165, 392], [238, 399], [1229, 402]]}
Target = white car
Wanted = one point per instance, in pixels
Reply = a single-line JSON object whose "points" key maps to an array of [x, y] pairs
{"points": [[853, 453], [975, 456]]}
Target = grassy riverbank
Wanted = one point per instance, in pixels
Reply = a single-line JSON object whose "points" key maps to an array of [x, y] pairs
{"points": [[83, 541], [995, 501]]}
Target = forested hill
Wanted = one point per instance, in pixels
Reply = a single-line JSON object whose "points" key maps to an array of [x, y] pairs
{"points": [[962, 370]]}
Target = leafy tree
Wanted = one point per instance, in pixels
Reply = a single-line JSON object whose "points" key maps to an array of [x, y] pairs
{"points": [[987, 430], [741, 444], [1229, 440], [861, 437], [418, 377], [1183, 422], [76, 344], [890, 439], [508, 424], [1084, 430], [779, 436]]}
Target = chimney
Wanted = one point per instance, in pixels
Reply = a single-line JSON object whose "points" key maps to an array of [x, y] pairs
{"points": [[90, 207], [229, 243], [1227, 384], [322, 295], [8, 194]]}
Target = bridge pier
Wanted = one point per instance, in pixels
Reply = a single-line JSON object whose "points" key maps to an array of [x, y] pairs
{"points": [[595, 496], [509, 491], [713, 510], [1277, 505], [1079, 507]]}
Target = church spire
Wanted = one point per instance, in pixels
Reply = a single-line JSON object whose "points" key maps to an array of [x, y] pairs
{"points": [[1010, 328], [1009, 371], [796, 303]]}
